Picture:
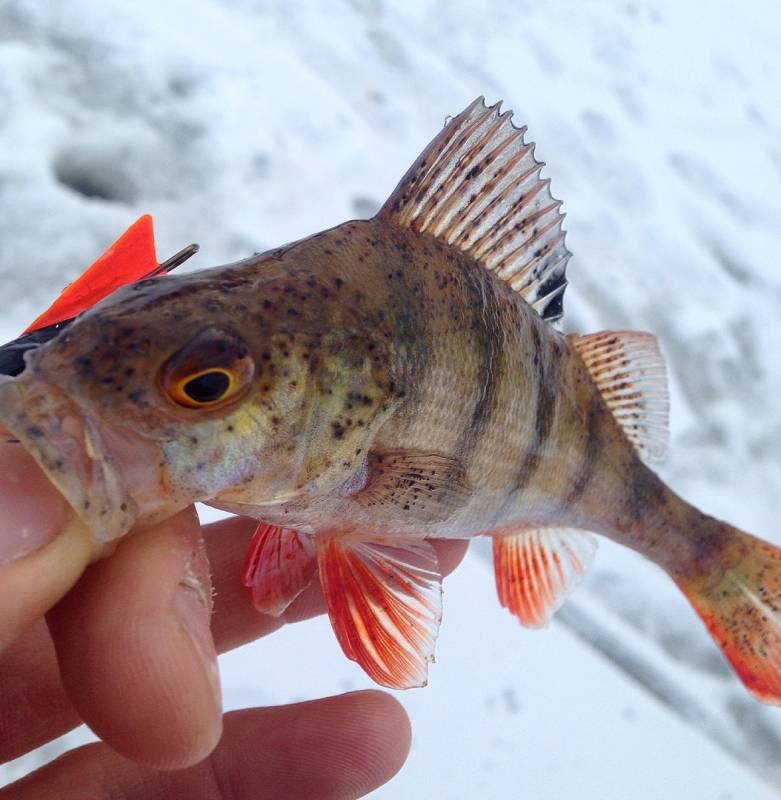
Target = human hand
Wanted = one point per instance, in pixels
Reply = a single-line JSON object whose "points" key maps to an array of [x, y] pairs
{"points": [[129, 646]]}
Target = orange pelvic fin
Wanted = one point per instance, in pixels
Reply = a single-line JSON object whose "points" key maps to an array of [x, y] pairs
{"points": [[741, 608], [385, 605], [131, 258], [280, 564], [536, 569]]}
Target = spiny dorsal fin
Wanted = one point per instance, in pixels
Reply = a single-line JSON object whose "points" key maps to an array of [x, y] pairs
{"points": [[537, 568], [629, 370], [477, 186]]}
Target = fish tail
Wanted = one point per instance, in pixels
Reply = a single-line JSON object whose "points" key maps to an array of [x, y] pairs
{"points": [[739, 600]]}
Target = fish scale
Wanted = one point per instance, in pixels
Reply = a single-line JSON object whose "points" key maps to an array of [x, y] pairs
{"points": [[378, 385]]}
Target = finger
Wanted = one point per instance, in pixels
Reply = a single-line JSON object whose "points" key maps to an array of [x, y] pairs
{"points": [[135, 651], [43, 548], [235, 619], [339, 747], [33, 705], [35, 709]]}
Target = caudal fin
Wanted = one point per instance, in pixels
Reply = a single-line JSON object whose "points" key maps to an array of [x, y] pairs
{"points": [[741, 607]]}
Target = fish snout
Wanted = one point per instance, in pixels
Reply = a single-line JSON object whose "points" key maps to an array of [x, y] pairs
{"points": [[70, 449]]}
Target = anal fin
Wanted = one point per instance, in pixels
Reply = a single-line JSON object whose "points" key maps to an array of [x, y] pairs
{"points": [[629, 371], [385, 605], [537, 568], [280, 564]]}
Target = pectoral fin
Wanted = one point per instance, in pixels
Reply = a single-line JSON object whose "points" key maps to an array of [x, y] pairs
{"points": [[423, 486], [280, 564], [537, 568], [385, 605]]}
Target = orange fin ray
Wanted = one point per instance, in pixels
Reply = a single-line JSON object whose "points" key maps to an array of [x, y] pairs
{"points": [[741, 608], [131, 258], [536, 569], [385, 605], [280, 564]]}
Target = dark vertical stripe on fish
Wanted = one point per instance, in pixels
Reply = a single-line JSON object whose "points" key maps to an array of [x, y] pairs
{"points": [[487, 341], [411, 321], [591, 451], [548, 372]]}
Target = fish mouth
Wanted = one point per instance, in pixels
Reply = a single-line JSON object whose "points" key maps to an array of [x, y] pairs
{"points": [[106, 475]]}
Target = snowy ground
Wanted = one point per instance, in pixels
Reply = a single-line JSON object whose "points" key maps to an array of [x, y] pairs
{"points": [[243, 124]]}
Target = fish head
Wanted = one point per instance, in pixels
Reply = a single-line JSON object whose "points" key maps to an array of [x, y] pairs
{"points": [[178, 390]]}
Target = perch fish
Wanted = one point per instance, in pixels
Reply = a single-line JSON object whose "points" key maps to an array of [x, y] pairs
{"points": [[378, 385]]}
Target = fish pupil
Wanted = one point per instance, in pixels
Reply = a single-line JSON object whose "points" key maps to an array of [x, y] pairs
{"points": [[207, 388]]}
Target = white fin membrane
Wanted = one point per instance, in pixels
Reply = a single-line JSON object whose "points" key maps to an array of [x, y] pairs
{"points": [[629, 370]]}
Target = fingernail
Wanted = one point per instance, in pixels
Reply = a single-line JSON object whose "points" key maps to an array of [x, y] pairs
{"points": [[32, 511], [193, 602]]}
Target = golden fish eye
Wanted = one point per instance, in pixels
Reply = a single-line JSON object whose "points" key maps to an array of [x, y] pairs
{"points": [[210, 370], [204, 388]]}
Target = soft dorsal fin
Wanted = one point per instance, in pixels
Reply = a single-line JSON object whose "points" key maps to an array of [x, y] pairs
{"points": [[537, 568], [477, 186], [629, 371]]}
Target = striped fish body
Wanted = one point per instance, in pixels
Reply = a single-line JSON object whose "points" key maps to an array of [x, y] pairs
{"points": [[471, 372], [381, 384]]}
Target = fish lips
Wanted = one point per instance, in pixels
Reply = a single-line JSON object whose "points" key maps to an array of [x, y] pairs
{"points": [[72, 450]]}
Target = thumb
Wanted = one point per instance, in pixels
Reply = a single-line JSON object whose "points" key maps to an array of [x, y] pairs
{"points": [[44, 547]]}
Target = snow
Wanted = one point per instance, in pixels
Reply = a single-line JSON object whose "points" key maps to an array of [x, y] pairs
{"points": [[243, 124]]}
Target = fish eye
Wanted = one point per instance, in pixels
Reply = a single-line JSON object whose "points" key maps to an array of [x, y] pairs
{"points": [[208, 371], [203, 388]]}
